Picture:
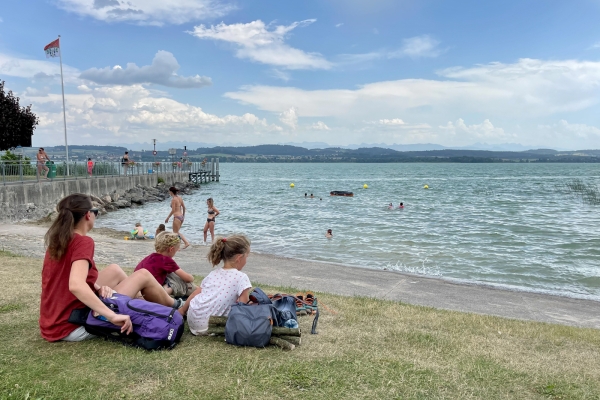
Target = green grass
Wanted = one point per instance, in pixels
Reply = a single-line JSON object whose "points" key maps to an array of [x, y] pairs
{"points": [[367, 349]]}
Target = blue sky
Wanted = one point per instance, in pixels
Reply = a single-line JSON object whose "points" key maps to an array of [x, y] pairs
{"points": [[334, 71]]}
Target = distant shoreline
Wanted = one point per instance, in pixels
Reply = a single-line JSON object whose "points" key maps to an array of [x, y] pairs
{"points": [[295, 154]]}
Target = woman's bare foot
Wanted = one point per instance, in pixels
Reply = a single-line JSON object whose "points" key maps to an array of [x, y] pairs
{"points": [[186, 246]]}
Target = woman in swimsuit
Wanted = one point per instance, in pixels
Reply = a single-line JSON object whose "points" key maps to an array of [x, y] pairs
{"points": [[42, 157], [178, 213], [210, 221]]}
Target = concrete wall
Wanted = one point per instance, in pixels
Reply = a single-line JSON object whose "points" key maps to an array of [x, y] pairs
{"points": [[37, 200]]}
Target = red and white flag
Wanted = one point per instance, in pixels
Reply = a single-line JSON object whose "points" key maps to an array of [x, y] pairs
{"points": [[52, 49]]}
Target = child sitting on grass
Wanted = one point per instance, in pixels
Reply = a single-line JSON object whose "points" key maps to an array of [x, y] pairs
{"points": [[223, 287], [161, 263]]}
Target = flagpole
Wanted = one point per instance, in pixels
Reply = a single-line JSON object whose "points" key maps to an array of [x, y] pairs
{"points": [[62, 84]]}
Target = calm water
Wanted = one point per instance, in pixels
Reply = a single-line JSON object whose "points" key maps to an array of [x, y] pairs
{"points": [[503, 224]]}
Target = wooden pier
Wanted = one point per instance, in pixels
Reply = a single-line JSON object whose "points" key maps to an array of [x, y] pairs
{"points": [[207, 173]]}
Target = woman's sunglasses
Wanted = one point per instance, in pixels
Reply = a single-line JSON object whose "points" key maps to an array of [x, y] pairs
{"points": [[95, 211]]}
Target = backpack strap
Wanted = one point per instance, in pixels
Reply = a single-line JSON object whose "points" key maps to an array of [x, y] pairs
{"points": [[313, 331]]}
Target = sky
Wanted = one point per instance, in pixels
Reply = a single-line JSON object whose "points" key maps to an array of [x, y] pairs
{"points": [[340, 72]]}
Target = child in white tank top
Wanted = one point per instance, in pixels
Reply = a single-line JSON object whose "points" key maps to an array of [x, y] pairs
{"points": [[223, 287]]}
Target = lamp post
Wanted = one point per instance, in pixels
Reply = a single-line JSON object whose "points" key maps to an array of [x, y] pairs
{"points": [[154, 150]]}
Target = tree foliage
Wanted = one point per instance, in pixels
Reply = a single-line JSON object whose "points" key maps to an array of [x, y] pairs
{"points": [[16, 123], [9, 157]]}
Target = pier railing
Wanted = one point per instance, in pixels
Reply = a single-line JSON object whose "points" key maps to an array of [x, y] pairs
{"points": [[20, 171]]}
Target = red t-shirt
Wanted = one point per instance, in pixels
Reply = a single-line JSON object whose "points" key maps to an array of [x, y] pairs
{"points": [[57, 300], [159, 266]]}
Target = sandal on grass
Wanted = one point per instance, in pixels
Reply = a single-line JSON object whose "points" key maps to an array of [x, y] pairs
{"points": [[300, 305], [311, 302]]}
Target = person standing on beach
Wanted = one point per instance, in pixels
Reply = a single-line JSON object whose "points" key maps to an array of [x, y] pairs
{"points": [[178, 213], [210, 220], [42, 157]]}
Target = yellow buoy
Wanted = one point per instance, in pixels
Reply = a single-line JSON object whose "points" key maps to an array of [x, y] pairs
{"points": [[365, 186], [126, 238], [292, 185], [426, 187]]}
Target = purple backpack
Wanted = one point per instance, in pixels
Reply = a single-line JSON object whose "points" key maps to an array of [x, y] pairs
{"points": [[155, 327]]}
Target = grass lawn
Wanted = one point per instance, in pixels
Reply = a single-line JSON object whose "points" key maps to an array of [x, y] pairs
{"points": [[369, 349]]}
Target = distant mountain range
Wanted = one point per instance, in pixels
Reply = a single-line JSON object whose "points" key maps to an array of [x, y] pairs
{"points": [[322, 145], [289, 153]]}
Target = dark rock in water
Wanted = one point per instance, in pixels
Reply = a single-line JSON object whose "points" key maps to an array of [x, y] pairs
{"points": [[123, 203], [140, 195], [97, 199], [138, 200]]}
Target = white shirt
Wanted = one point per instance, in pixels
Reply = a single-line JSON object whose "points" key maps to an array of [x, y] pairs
{"points": [[220, 290]]}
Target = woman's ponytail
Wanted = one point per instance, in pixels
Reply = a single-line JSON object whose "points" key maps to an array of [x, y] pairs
{"points": [[71, 210]]}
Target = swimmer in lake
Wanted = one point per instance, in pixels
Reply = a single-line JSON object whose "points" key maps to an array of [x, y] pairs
{"points": [[401, 205], [329, 234], [305, 195], [391, 206], [311, 196]]}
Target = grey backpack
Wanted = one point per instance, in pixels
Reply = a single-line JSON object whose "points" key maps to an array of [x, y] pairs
{"points": [[250, 325]]}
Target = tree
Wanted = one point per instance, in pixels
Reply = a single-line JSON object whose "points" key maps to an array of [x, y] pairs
{"points": [[16, 123]]}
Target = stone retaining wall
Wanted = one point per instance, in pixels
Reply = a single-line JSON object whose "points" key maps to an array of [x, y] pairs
{"points": [[37, 200]]}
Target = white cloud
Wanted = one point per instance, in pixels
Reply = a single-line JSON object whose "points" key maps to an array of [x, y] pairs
{"points": [[415, 47], [148, 12], [574, 131], [34, 92], [256, 42], [418, 46], [320, 126], [1, 20], [375, 31], [391, 122], [112, 114], [279, 74], [594, 46], [289, 117], [39, 70], [162, 71], [486, 130], [338, 25], [526, 89]]}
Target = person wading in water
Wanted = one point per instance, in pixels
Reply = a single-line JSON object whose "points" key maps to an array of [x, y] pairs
{"points": [[178, 213]]}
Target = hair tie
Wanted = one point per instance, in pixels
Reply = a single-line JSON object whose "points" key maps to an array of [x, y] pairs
{"points": [[224, 240]]}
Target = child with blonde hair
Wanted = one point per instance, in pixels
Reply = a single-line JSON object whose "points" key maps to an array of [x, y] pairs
{"points": [[138, 232], [161, 263], [223, 287]]}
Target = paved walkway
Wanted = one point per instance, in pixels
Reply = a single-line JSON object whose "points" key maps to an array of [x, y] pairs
{"points": [[332, 278]]}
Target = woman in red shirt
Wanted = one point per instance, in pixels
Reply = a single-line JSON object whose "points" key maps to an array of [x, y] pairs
{"points": [[71, 281]]}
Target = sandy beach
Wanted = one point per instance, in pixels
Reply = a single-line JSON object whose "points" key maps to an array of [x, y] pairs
{"points": [[27, 240]]}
